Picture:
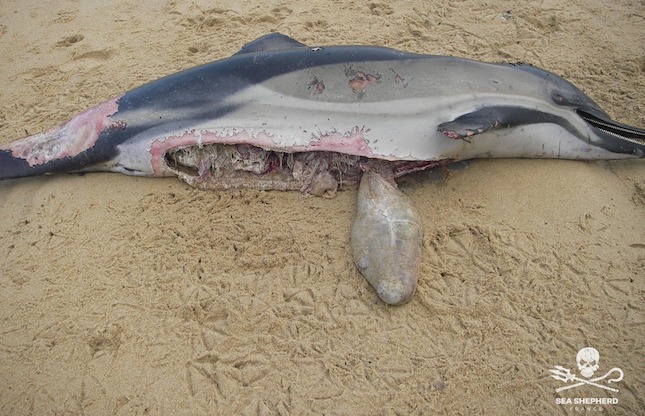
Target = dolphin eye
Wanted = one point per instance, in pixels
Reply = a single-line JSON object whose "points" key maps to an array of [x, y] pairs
{"points": [[557, 98]]}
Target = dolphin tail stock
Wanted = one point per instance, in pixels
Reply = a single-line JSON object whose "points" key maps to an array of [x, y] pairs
{"points": [[43, 153], [14, 167], [31, 156], [87, 139]]}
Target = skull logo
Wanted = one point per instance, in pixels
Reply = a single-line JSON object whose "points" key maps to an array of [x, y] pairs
{"points": [[588, 361]]}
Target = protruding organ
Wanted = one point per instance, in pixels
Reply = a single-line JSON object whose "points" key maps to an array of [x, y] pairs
{"points": [[386, 239]]}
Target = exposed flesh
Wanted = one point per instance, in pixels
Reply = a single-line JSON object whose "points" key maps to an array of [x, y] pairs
{"points": [[220, 166]]}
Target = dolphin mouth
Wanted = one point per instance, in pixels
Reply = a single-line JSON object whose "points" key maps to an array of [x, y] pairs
{"points": [[321, 173], [620, 138]]}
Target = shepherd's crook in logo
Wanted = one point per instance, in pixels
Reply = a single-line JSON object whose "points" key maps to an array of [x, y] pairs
{"points": [[587, 364]]}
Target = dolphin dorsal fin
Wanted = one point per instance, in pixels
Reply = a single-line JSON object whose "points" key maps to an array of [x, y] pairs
{"points": [[270, 42]]}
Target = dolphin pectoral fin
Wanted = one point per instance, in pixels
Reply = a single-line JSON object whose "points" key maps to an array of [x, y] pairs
{"points": [[494, 117], [470, 124], [270, 42]]}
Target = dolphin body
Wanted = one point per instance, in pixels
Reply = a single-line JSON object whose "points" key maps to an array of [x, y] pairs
{"points": [[282, 115]]}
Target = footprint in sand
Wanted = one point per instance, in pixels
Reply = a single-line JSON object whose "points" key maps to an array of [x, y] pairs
{"points": [[70, 40]]}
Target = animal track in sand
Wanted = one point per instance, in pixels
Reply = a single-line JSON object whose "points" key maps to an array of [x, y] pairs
{"points": [[106, 339], [197, 48], [380, 9], [100, 55], [639, 194], [281, 12], [65, 16], [206, 18], [70, 40]]}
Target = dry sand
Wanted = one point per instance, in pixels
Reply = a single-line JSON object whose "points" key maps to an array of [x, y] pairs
{"points": [[122, 295]]}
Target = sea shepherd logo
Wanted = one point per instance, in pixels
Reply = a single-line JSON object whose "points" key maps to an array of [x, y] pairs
{"points": [[588, 360]]}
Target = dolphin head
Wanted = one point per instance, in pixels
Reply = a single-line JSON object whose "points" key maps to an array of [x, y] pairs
{"points": [[611, 135]]}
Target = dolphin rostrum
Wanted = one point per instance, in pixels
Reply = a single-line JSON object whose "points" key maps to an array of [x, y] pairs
{"points": [[281, 115]]}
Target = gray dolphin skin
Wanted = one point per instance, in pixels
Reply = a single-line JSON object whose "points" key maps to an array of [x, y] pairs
{"points": [[282, 115]]}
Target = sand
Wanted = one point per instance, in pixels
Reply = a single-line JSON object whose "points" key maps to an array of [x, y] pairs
{"points": [[123, 295]]}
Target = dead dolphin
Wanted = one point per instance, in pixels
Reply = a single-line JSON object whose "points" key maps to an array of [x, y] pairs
{"points": [[282, 115], [279, 114]]}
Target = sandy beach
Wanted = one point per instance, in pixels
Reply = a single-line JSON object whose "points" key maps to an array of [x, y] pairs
{"points": [[129, 296]]}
